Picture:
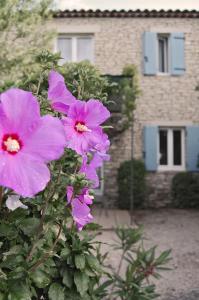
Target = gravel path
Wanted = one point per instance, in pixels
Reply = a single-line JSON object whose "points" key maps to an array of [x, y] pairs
{"points": [[175, 229]]}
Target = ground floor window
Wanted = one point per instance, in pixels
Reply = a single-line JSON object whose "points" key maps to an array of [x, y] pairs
{"points": [[171, 148], [100, 190]]}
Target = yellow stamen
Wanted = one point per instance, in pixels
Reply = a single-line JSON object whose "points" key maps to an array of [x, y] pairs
{"points": [[82, 128], [12, 145]]}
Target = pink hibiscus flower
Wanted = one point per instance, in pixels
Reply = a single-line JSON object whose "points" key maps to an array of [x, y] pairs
{"points": [[27, 143], [82, 125], [102, 147], [80, 209], [90, 169], [58, 94]]}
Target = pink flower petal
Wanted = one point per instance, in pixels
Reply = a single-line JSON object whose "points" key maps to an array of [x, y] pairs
{"points": [[20, 111], [48, 141], [58, 94], [97, 113], [25, 176]]}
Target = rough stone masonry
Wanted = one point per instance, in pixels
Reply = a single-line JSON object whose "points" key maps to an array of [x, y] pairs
{"points": [[165, 99]]}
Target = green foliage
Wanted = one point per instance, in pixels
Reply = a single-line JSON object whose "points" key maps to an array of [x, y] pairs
{"points": [[85, 81], [185, 190], [42, 256], [126, 88], [140, 265], [123, 93], [130, 91], [22, 34], [125, 182]]}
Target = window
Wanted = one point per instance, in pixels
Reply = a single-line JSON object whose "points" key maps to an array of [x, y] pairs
{"points": [[75, 48], [171, 144], [163, 51], [100, 190]]}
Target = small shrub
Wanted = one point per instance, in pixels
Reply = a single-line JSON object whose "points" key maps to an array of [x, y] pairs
{"points": [[185, 190], [140, 266], [125, 182]]}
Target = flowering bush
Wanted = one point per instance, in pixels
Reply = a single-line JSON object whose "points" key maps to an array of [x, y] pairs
{"points": [[50, 150]]}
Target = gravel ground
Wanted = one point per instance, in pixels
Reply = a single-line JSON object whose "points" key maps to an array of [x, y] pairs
{"points": [[169, 229]]}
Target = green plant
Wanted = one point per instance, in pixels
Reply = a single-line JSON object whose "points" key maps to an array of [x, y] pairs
{"points": [[42, 255], [123, 92], [124, 184], [85, 81], [185, 190], [22, 34], [137, 265]]}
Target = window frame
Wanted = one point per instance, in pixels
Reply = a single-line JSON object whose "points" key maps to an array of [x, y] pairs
{"points": [[74, 38], [163, 36], [170, 166]]}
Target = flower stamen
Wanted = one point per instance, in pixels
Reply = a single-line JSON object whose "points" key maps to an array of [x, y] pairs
{"points": [[81, 127], [11, 143]]}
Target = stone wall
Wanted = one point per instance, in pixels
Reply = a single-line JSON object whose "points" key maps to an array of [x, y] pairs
{"points": [[165, 99], [159, 189]]}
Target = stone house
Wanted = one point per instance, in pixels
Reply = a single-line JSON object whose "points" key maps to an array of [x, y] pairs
{"points": [[164, 45]]}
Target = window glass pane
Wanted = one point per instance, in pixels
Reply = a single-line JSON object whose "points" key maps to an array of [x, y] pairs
{"points": [[163, 142], [177, 149], [84, 49], [65, 47], [100, 173], [163, 54]]}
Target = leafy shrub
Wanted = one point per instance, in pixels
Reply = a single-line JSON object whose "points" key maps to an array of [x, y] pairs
{"points": [[139, 265], [43, 256], [125, 181], [185, 190]]}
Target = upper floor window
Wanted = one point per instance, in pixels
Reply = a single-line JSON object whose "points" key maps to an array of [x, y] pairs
{"points": [[164, 53], [75, 48]]}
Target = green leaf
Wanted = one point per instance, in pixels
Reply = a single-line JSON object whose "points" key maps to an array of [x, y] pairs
{"points": [[19, 291], [29, 226], [7, 231], [2, 297], [81, 282], [93, 262], [163, 258], [41, 278], [14, 250], [12, 261], [56, 291], [65, 252], [67, 278], [80, 261]]}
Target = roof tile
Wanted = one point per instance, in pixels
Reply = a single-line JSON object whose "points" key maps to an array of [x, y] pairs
{"points": [[127, 13]]}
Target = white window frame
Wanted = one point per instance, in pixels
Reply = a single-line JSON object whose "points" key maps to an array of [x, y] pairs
{"points": [[74, 39], [170, 166], [164, 35], [100, 190]]}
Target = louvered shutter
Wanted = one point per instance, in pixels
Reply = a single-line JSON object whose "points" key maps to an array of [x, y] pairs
{"points": [[177, 53], [150, 147], [150, 53], [192, 148]]}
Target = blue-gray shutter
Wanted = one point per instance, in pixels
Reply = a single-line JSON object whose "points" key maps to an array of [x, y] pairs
{"points": [[177, 53], [150, 53], [150, 147], [192, 148]]}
